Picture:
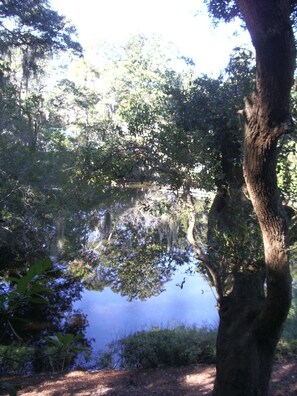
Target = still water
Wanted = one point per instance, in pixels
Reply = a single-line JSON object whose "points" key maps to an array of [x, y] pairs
{"points": [[138, 222], [111, 316]]}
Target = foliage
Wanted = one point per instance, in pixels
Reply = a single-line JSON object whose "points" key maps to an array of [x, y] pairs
{"points": [[92, 135], [35, 25], [30, 171], [135, 250], [60, 150], [287, 166], [26, 290], [204, 113], [118, 110], [56, 353], [61, 350], [288, 342], [16, 358], [223, 9], [182, 126], [159, 347], [287, 161], [33, 307]]}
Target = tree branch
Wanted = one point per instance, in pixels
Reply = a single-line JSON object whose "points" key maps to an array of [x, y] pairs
{"points": [[200, 255]]}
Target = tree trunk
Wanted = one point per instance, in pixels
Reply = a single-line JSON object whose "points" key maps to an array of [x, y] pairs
{"points": [[251, 318], [241, 352]]}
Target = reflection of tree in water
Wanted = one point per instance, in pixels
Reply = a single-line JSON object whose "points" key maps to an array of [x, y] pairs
{"points": [[74, 227], [134, 247]]}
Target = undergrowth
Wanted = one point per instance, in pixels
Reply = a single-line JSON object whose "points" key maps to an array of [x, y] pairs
{"points": [[159, 347], [288, 344], [181, 346]]}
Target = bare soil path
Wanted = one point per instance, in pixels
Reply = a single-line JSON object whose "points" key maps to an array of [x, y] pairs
{"points": [[185, 381]]}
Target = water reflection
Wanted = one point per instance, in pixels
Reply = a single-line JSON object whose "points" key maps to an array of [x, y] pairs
{"points": [[134, 248], [133, 254], [130, 246], [111, 316]]}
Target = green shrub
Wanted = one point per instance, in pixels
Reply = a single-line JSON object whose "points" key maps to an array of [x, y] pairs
{"points": [[106, 360], [15, 358], [62, 350], [180, 346]]}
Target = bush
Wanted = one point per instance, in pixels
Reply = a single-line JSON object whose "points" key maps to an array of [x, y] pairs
{"points": [[61, 351], [180, 346], [55, 353], [15, 359]]}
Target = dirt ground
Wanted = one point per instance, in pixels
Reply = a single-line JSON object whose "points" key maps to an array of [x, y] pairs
{"points": [[186, 381]]}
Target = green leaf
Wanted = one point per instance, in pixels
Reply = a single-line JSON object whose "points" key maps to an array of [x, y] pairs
{"points": [[12, 295], [53, 340], [22, 285], [38, 300], [39, 267]]}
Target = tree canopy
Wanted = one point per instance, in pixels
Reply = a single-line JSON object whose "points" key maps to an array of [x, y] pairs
{"points": [[33, 24]]}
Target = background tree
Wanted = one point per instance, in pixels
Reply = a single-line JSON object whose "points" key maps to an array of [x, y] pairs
{"points": [[31, 33]]}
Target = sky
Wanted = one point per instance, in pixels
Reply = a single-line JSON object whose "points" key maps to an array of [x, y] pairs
{"points": [[182, 22]]}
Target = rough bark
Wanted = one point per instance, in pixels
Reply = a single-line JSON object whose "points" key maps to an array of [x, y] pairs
{"points": [[251, 320], [240, 268]]}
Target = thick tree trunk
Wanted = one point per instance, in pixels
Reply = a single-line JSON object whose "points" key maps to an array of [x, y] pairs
{"points": [[255, 296], [243, 355], [251, 320], [241, 352], [251, 317]]}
